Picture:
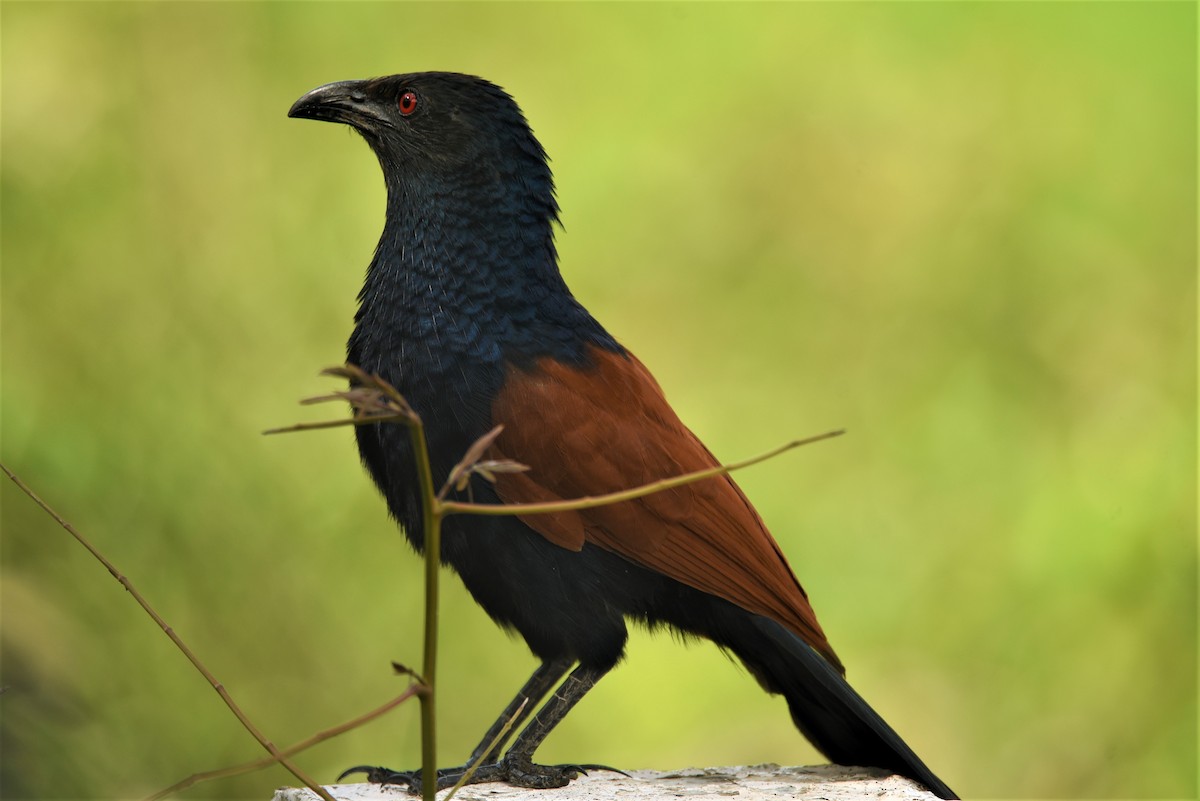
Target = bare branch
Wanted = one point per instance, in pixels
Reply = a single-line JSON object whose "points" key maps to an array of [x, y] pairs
{"points": [[179, 643], [590, 502], [474, 766], [349, 421], [291, 750], [372, 400]]}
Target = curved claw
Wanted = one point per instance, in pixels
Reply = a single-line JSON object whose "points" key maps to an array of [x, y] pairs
{"points": [[381, 775], [585, 768], [356, 769]]}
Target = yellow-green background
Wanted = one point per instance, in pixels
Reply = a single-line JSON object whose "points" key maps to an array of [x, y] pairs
{"points": [[965, 232]]}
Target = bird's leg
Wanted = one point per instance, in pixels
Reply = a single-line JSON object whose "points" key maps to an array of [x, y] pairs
{"points": [[517, 766], [519, 709], [543, 679]]}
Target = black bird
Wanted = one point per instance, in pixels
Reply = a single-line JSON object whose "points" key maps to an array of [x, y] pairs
{"points": [[464, 311]]}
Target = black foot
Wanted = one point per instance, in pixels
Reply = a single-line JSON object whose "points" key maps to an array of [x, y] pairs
{"points": [[523, 773], [519, 771], [411, 779], [515, 770]]}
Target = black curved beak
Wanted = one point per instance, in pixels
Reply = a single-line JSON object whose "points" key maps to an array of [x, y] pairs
{"points": [[344, 101]]}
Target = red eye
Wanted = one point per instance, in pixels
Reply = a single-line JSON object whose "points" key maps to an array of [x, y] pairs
{"points": [[407, 103]]}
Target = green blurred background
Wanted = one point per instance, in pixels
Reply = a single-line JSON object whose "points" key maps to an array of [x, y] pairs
{"points": [[965, 232]]}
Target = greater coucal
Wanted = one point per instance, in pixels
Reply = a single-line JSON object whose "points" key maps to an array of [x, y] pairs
{"points": [[464, 311]]}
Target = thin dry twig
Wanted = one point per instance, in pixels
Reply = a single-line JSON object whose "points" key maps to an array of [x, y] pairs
{"points": [[291, 750], [179, 643], [474, 766], [372, 400], [404, 670], [592, 501], [473, 463]]}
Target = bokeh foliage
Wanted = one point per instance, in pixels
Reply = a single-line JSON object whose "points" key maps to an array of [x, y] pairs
{"points": [[965, 232]]}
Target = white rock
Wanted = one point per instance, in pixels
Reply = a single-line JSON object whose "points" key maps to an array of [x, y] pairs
{"points": [[746, 783]]}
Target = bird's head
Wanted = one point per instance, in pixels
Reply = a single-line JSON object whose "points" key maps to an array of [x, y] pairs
{"points": [[437, 126], [470, 199]]}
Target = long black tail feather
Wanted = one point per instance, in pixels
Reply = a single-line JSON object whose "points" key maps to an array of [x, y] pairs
{"points": [[826, 708]]}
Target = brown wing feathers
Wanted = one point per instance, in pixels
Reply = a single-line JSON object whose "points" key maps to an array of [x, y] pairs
{"points": [[607, 427]]}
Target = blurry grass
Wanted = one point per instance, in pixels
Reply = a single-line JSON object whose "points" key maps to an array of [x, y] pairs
{"points": [[966, 232]]}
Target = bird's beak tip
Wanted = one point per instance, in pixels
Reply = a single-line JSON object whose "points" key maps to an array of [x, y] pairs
{"points": [[304, 106], [329, 102]]}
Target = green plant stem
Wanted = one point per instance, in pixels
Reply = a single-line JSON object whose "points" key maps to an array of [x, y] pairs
{"points": [[433, 536], [432, 509]]}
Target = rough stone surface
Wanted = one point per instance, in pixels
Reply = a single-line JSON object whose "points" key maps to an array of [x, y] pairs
{"points": [[746, 783]]}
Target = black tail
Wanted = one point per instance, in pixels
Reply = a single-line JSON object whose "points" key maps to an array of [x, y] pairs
{"points": [[825, 708]]}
